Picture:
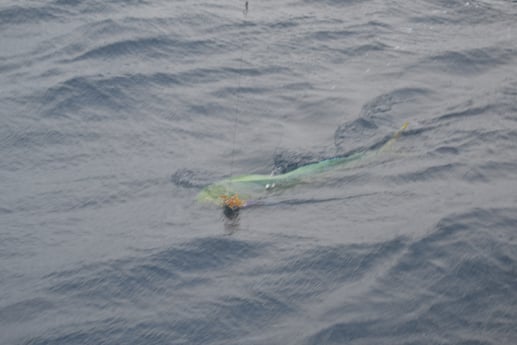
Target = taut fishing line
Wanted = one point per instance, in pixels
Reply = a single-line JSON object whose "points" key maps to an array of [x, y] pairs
{"points": [[241, 63], [231, 202]]}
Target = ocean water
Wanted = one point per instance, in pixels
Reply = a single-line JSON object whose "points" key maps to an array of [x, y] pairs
{"points": [[115, 114]]}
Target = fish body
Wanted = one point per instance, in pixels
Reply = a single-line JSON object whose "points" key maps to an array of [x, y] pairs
{"points": [[257, 186]]}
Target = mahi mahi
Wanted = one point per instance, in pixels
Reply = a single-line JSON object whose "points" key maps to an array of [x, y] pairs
{"points": [[252, 187]]}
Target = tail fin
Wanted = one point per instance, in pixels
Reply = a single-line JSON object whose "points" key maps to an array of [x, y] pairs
{"points": [[395, 136]]}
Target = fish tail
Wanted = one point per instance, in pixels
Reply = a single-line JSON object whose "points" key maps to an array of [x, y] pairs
{"points": [[395, 136]]}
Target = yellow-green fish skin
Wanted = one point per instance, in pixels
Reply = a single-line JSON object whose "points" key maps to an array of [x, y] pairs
{"points": [[255, 186]]}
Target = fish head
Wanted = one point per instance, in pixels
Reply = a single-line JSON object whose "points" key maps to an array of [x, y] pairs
{"points": [[212, 193]]}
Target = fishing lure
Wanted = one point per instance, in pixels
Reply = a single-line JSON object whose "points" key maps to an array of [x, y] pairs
{"points": [[242, 191]]}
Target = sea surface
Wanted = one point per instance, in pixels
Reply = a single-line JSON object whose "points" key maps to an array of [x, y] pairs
{"points": [[115, 114]]}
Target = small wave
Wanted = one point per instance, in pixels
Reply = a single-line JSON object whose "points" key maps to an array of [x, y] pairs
{"points": [[286, 161], [18, 15], [471, 12], [471, 111], [481, 237], [38, 138], [364, 49], [76, 92], [466, 263], [339, 3], [151, 47], [343, 263], [495, 170], [25, 310], [114, 94], [345, 332], [375, 114], [187, 178], [468, 62], [132, 277], [435, 172], [4, 210], [447, 150], [326, 35]]}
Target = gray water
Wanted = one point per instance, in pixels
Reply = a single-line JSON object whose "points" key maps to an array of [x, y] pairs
{"points": [[115, 114]]}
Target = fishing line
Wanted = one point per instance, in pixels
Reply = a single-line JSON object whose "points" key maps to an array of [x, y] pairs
{"points": [[231, 202], [234, 139]]}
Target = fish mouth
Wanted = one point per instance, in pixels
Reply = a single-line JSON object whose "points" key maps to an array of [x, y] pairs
{"points": [[231, 212]]}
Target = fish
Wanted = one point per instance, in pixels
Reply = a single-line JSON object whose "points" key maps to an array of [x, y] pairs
{"points": [[246, 190]]}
